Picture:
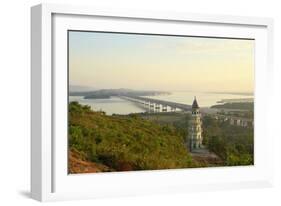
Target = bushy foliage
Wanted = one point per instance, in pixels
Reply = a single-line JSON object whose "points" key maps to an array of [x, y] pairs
{"points": [[235, 105], [125, 142], [234, 144]]}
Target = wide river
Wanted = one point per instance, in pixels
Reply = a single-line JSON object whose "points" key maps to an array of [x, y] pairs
{"points": [[115, 105]]}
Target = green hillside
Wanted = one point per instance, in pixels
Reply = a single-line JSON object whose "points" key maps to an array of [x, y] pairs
{"points": [[125, 142]]}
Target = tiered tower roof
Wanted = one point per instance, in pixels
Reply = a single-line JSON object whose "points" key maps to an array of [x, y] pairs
{"points": [[195, 104]]}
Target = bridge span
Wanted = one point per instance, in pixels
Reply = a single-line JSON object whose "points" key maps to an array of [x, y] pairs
{"points": [[156, 105]]}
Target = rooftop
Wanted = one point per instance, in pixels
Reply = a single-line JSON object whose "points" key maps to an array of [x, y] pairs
{"points": [[195, 104]]}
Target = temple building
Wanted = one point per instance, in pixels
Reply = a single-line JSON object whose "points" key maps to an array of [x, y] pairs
{"points": [[195, 128]]}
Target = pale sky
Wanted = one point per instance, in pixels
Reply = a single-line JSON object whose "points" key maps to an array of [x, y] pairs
{"points": [[153, 62]]}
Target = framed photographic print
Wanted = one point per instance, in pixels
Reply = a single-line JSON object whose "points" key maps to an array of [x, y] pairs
{"points": [[137, 102]]}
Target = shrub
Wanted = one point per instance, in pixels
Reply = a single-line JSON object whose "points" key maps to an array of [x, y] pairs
{"points": [[126, 142]]}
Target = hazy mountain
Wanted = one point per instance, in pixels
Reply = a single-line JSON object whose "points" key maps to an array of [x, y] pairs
{"points": [[107, 93], [78, 88]]}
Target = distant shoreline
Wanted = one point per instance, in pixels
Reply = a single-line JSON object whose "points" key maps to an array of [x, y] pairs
{"points": [[108, 93], [234, 93], [241, 100]]}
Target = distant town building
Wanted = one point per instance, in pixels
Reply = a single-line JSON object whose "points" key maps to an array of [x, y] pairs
{"points": [[195, 127], [242, 122], [235, 121]]}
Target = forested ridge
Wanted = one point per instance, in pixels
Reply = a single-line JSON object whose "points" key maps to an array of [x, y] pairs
{"points": [[124, 143], [102, 143], [235, 105]]}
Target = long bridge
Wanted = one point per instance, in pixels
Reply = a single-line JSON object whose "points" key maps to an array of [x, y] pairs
{"points": [[156, 105]]}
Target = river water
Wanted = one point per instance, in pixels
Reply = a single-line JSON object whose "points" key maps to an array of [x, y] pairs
{"points": [[115, 105]]}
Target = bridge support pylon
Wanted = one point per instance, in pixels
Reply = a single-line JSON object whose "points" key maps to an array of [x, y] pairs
{"points": [[157, 107], [173, 109], [151, 107]]}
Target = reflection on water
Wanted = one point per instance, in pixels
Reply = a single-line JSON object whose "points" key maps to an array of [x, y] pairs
{"points": [[204, 99], [115, 105]]}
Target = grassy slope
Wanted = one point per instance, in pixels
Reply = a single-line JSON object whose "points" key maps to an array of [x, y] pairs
{"points": [[125, 143], [79, 164]]}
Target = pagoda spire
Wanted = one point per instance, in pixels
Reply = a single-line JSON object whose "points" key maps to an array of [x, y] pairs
{"points": [[195, 104]]}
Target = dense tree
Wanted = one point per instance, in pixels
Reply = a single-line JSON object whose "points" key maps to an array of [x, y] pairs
{"points": [[152, 141], [128, 142], [233, 144]]}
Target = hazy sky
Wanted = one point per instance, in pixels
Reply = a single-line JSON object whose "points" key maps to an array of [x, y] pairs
{"points": [[110, 60]]}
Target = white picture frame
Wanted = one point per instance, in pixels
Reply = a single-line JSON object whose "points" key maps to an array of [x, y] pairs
{"points": [[49, 179]]}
